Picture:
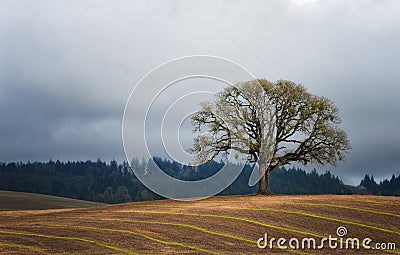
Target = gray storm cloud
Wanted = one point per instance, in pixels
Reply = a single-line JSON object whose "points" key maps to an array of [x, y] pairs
{"points": [[67, 67]]}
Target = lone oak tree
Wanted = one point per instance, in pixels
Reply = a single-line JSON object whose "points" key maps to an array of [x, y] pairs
{"points": [[273, 124]]}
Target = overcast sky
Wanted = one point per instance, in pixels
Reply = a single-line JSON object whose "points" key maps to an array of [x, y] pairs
{"points": [[67, 67]]}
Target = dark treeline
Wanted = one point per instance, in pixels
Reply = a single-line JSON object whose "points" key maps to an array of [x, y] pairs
{"points": [[386, 187], [116, 183], [94, 181], [298, 181]]}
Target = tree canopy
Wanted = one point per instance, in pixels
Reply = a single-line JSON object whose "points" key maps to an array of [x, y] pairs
{"points": [[273, 123]]}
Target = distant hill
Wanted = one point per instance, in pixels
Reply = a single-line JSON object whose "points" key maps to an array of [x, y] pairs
{"points": [[10, 200]]}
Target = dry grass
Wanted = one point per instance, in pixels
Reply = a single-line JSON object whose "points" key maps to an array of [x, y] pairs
{"points": [[11, 200], [219, 225]]}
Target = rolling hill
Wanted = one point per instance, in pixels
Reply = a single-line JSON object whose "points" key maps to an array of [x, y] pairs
{"points": [[11, 200], [218, 225]]}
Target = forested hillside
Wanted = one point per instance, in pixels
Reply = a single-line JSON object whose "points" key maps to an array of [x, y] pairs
{"points": [[115, 183]]}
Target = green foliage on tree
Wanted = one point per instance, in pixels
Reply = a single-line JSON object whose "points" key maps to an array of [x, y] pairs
{"points": [[273, 123]]}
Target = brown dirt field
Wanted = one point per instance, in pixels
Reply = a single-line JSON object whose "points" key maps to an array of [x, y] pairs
{"points": [[218, 225]]}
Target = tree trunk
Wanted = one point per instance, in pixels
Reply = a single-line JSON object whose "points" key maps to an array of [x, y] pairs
{"points": [[263, 184]]}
